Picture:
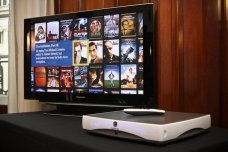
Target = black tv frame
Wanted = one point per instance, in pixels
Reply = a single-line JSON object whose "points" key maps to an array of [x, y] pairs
{"points": [[102, 100]]}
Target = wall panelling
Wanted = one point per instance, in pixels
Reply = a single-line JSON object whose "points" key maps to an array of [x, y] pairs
{"points": [[191, 52]]}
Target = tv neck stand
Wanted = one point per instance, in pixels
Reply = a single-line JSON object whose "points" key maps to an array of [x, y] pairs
{"points": [[79, 109]]}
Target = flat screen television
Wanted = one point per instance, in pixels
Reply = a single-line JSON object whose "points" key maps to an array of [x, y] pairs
{"points": [[99, 57]]}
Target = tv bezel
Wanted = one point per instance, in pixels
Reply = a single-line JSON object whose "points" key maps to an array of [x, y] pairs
{"points": [[122, 100]]}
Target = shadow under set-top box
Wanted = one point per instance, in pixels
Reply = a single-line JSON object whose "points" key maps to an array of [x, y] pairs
{"points": [[159, 129]]}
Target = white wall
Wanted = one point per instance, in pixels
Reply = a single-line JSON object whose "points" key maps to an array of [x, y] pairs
{"points": [[19, 10]]}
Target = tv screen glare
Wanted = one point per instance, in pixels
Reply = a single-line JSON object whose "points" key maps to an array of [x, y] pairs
{"points": [[101, 56]]}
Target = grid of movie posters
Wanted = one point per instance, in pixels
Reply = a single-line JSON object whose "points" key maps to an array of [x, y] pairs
{"points": [[99, 54]]}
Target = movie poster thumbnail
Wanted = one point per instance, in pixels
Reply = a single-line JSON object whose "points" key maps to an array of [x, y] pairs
{"points": [[128, 24], [66, 90], [80, 28], [32, 76], [128, 92], [96, 91], [80, 76], [40, 32], [111, 26], [52, 90], [66, 29], [111, 51], [32, 37], [140, 49], [111, 76], [40, 90], [128, 50], [53, 31], [95, 52], [128, 76], [96, 28], [80, 53], [66, 78], [140, 92], [40, 76], [80, 91], [53, 77], [140, 77], [140, 24], [95, 77], [111, 91]]}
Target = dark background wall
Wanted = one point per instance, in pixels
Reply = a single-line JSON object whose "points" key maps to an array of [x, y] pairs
{"points": [[192, 52]]}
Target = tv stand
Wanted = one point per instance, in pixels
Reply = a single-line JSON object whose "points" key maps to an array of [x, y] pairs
{"points": [[79, 109]]}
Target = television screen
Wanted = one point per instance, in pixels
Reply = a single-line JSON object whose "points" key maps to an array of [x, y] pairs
{"points": [[99, 56]]}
